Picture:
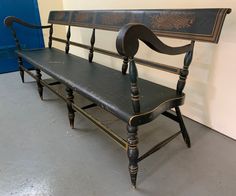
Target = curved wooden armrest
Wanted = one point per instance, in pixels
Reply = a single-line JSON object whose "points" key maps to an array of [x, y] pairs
{"points": [[8, 21], [127, 42]]}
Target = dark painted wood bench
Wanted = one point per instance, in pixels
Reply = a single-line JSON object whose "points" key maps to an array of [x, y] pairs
{"points": [[134, 100]]}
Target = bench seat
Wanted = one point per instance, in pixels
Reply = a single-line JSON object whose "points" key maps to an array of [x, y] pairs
{"points": [[106, 87]]}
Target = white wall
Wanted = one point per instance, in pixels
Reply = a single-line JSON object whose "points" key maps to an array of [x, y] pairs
{"points": [[210, 89], [45, 6]]}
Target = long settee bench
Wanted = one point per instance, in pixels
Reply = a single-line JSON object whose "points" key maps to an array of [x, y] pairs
{"points": [[134, 100]]}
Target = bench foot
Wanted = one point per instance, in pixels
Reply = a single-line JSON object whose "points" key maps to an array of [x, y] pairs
{"points": [[133, 153], [70, 101], [40, 86], [183, 128], [71, 119], [22, 75]]}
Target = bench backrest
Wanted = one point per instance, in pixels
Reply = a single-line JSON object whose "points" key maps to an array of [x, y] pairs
{"points": [[192, 24]]}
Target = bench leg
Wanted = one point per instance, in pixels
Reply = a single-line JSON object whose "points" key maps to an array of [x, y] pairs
{"points": [[71, 112], [133, 153], [40, 86], [183, 128], [20, 62], [125, 65]]}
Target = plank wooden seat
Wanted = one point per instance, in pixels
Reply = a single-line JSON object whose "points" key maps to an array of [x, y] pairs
{"points": [[134, 100], [89, 80]]}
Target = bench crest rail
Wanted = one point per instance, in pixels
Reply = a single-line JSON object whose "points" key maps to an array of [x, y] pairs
{"points": [[191, 24]]}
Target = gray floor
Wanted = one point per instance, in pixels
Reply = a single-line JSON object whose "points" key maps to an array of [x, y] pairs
{"points": [[41, 155]]}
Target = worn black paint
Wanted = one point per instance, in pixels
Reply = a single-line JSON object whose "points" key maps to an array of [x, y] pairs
{"points": [[91, 50], [50, 36], [133, 153], [68, 35], [38, 80], [70, 101]]}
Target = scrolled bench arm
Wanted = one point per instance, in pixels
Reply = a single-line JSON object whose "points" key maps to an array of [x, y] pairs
{"points": [[127, 42], [8, 21]]}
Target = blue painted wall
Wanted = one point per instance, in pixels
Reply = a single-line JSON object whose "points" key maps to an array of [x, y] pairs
{"points": [[28, 11]]}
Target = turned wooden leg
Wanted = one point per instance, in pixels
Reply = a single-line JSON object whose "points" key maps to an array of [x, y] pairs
{"points": [[183, 128], [40, 86], [20, 62], [71, 112], [133, 153]]}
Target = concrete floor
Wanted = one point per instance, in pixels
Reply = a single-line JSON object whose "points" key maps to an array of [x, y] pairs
{"points": [[41, 155]]}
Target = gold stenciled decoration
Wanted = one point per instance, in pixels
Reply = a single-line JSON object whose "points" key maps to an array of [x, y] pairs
{"points": [[59, 16], [112, 19], [83, 17], [168, 22]]}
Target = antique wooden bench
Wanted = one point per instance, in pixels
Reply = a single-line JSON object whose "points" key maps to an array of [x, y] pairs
{"points": [[134, 100]]}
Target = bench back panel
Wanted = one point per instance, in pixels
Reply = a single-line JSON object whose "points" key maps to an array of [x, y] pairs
{"points": [[191, 24]]}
